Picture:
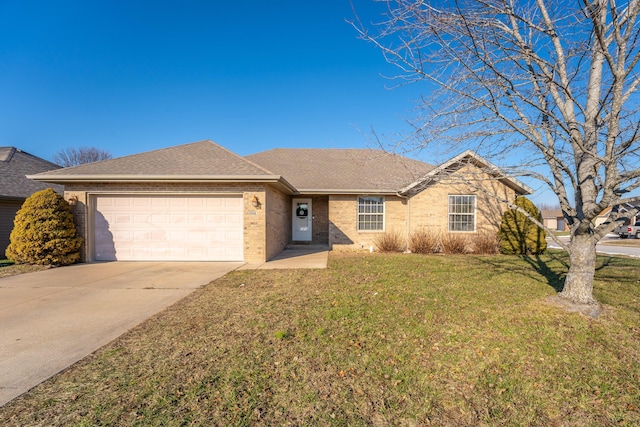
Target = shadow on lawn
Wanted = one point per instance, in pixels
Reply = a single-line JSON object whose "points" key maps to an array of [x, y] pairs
{"points": [[548, 267], [553, 266]]}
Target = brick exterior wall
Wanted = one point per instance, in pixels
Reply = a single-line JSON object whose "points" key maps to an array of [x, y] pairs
{"points": [[428, 209], [343, 221], [267, 229], [278, 222], [320, 205], [257, 244]]}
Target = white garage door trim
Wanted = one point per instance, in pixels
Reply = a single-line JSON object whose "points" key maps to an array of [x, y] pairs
{"points": [[147, 227]]}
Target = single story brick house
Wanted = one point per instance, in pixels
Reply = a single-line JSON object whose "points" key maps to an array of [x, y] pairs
{"points": [[200, 201], [15, 187]]}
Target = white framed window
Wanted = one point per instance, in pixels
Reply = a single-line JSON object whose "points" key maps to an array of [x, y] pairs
{"points": [[462, 213], [370, 213]]}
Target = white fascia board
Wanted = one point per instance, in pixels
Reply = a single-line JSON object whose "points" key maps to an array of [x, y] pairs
{"points": [[63, 179], [348, 191], [431, 175]]}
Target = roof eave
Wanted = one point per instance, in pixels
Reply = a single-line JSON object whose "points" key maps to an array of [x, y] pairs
{"points": [[384, 192], [513, 183], [66, 179]]}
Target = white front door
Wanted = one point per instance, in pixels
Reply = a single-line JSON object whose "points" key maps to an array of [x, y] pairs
{"points": [[302, 218]]}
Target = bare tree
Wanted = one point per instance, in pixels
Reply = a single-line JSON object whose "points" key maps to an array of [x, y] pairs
{"points": [[552, 84], [77, 156], [548, 207]]}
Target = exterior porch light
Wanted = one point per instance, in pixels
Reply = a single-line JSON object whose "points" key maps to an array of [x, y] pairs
{"points": [[73, 200], [255, 202]]}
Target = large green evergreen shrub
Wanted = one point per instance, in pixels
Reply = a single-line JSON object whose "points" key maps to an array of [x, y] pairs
{"points": [[518, 234], [44, 232]]}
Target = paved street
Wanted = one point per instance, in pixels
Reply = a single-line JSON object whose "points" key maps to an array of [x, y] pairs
{"points": [[604, 248]]}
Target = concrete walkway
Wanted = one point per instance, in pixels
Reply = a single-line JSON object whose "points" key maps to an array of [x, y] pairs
{"points": [[53, 318], [299, 256]]}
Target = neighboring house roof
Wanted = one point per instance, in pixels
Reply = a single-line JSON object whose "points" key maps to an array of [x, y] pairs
{"points": [[557, 213], [628, 205], [605, 212], [340, 171], [465, 158], [197, 161], [14, 165], [551, 213]]}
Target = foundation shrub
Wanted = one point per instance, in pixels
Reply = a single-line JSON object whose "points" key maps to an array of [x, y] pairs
{"points": [[486, 243], [44, 232], [391, 241], [424, 242], [518, 234], [455, 243]]}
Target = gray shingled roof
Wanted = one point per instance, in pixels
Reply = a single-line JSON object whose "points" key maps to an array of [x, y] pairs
{"points": [[304, 170], [14, 165], [197, 159], [551, 213], [342, 170]]}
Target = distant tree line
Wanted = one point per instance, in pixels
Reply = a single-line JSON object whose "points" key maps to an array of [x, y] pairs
{"points": [[72, 156]]}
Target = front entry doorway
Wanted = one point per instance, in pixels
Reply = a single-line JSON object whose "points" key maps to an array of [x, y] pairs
{"points": [[302, 220]]}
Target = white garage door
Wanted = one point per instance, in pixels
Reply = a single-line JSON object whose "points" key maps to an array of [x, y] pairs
{"points": [[157, 228]]}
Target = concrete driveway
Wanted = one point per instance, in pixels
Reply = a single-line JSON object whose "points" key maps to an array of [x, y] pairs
{"points": [[53, 318]]}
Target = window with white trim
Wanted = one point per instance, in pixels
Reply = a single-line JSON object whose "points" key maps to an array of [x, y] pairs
{"points": [[371, 213], [462, 213]]}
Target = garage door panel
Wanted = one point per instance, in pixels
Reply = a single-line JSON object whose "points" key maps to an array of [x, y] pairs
{"points": [[124, 219], [196, 237], [177, 235], [168, 228], [122, 202], [177, 219], [216, 203], [159, 218], [196, 219], [234, 203], [124, 236], [233, 218], [234, 235]]}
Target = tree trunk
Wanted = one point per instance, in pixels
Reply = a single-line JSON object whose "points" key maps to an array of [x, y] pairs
{"points": [[578, 286]]}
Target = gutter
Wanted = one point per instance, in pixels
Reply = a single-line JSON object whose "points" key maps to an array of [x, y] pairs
{"points": [[360, 192], [65, 179]]}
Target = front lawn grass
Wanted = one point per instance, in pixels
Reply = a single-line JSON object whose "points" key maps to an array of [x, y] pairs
{"points": [[373, 340]]}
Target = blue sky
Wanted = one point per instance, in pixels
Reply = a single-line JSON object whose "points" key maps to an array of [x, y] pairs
{"points": [[133, 76], [130, 76]]}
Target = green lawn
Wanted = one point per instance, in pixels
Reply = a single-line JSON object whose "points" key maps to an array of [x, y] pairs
{"points": [[373, 340]]}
